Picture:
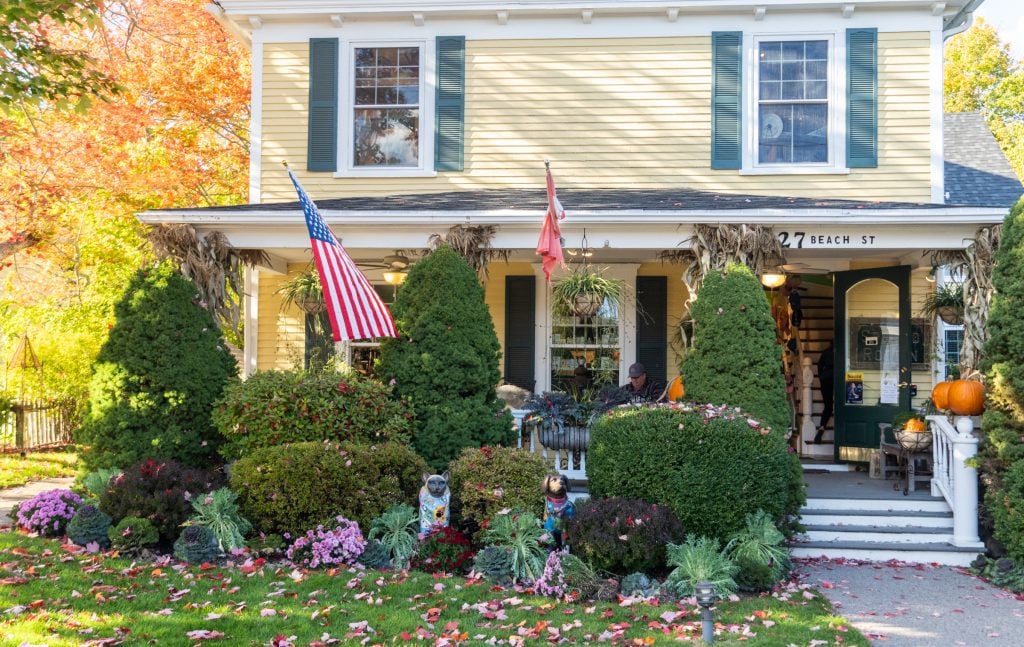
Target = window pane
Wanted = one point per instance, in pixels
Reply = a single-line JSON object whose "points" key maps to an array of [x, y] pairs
{"points": [[816, 71], [793, 71], [793, 90], [365, 96], [387, 56], [792, 50], [409, 94], [816, 90], [817, 50], [365, 56], [386, 137], [409, 56], [770, 91]]}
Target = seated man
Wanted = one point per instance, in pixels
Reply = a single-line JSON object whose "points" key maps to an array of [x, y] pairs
{"points": [[641, 389]]}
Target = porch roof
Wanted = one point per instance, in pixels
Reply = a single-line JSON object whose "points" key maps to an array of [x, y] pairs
{"points": [[977, 172]]}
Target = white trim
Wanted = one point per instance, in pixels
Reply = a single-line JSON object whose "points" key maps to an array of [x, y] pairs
{"points": [[346, 113], [256, 121], [250, 311], [836, 106], [937, 119]]}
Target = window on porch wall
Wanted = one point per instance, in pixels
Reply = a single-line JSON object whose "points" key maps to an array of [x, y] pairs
{"points": [[362, 354]]}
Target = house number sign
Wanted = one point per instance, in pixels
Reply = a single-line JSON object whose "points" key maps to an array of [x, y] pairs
{"points": [[805, 239]]}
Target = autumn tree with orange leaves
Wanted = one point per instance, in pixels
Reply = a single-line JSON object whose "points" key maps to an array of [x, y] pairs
{"points": [[174, 135]]}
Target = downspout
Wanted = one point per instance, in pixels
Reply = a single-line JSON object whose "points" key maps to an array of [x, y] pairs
{"points": [[217, 11], [961, 20]]}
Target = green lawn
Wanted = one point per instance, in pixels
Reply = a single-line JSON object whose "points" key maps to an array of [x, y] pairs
{"points": [[15, 470], [56, 595]]}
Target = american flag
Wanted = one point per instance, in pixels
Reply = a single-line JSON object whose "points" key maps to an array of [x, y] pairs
{"points": [[550, 244], [355, 310]]}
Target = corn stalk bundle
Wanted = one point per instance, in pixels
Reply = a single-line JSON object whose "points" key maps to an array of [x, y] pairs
{"points": [[473, 243], [975, 264], [211, 263]]}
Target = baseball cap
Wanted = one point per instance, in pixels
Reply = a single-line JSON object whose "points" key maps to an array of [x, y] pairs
{"points": [[636, 370]]}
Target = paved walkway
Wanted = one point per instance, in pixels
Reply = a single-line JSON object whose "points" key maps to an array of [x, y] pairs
{"points": [[912, 605], [14, 495]]}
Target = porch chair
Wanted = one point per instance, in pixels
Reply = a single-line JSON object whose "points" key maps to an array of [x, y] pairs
{"points": [[888, 451]]}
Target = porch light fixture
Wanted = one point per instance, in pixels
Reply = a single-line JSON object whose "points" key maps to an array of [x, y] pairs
{"points": [[395, 278], [773, 279], [706, 595]]}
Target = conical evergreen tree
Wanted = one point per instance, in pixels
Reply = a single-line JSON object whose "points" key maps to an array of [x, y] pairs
{"points": [[446, 359], [156, 378], [1002, 447], [735, 359]]}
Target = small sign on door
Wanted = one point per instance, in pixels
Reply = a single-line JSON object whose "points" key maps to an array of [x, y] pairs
{"points": [[854, 388]]}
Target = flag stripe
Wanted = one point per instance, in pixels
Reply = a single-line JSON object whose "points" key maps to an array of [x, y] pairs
{"points": [[354, 308]]}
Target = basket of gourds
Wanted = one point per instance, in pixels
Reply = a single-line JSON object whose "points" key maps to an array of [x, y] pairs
{"points": [[912, 433]]}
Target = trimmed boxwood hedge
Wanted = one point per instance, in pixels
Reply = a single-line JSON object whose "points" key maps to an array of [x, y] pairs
{"points": [[709, 465], [292, 488]]}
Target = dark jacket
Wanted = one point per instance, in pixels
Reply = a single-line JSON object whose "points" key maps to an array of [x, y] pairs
{"points": [[827, 365], [651, 391]]}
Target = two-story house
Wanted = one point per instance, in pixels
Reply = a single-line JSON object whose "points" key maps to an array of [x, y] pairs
{"points": [[819, 119]]}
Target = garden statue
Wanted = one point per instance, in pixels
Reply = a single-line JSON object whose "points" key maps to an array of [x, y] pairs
{"points": [[557, 506], [434, 499]]}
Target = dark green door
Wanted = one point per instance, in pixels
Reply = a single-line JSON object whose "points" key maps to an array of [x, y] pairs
{"points": [[872, 341]]}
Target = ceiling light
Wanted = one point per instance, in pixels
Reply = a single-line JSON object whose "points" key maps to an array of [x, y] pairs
{"points": [[395, 278], [773, 279]]}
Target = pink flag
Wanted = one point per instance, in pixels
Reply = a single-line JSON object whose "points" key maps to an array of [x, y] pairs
{"points": [[550, 244], [355, 310]]}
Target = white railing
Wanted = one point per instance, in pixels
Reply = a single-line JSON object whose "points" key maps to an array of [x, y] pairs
{"points": [[952, 447], [567, 455]]}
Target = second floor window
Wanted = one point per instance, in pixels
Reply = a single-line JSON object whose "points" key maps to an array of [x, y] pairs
{"points": [[386, 128], [792, 102]]}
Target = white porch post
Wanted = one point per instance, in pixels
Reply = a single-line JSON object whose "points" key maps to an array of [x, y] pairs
{"points": [[965, 485]]}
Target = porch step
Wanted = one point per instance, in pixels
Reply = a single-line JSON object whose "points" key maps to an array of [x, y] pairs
{"points": [[925, 553], [907, 529]]}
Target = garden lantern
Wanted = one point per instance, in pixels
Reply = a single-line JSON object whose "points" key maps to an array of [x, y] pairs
{"points": [[706, 595]]}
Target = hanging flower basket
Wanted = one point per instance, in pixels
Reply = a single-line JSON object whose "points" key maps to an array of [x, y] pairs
{"points": [[584, 291], [587, 304], [311, 305], [951, 315]]}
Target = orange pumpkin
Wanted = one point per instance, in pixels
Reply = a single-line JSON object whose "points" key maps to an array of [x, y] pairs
{"points": [[940, 395], [676, 390], [916, 425], [967, 397]]}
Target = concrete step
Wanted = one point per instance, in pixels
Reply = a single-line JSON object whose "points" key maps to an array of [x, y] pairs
{"points": [[877, 519], [927, 553], [875, 505], [880, 534]]}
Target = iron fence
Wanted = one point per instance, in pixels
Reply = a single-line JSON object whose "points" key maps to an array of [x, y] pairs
{"points": [[40, 423]]}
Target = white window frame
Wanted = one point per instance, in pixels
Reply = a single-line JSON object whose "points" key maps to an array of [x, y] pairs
{"points": [[346, 141], [836, 122]]}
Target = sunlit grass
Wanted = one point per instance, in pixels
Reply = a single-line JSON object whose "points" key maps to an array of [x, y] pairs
{"points": [[51, 595], [15, 470]]}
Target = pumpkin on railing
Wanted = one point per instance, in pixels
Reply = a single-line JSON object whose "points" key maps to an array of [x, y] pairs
{"points": [[967, 397], [940, 395]]}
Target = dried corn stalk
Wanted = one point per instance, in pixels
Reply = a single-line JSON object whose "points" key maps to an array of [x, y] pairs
{"points": [[211, 263], [975, 264], [473, 243]]}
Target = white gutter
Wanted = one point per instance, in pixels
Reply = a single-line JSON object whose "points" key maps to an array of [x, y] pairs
{"points": [[961, 20]]}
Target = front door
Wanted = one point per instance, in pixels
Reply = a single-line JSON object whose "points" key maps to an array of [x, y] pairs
{"points": [[872, 345]]}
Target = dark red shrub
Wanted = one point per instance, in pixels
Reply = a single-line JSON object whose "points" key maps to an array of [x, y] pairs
{"points": [[623, 535], [444, 550], [159, 491]]}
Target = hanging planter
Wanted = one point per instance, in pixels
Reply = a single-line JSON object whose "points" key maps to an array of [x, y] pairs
{"points": [[304, 291], [584, 291], [946, 303]]}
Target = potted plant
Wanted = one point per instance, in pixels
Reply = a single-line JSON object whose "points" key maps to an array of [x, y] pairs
{"points": [[946, 302], [304, 290], [585, 290], [563, 421]]}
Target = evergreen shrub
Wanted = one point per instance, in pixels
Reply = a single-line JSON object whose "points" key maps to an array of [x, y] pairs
{"points": [[709, 465], [159, 491], [156, 377], [90, 524], [291, 488], [486, 480], [1002, 440], [623, 535], [279, 407], [446, 359]]}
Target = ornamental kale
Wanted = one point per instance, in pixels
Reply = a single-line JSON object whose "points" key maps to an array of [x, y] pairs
{"points": [[341, 545], [49, 512]]}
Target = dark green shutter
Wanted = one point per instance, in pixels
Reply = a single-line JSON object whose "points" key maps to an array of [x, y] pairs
{"points": [[726, 95], [651, 327], [450, 103], [322, 152], [862, 98], [520, 329]]}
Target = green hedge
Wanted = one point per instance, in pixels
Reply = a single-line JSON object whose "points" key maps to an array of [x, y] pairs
{"points": [[710, 471], [279, 407], [292, 488]]}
